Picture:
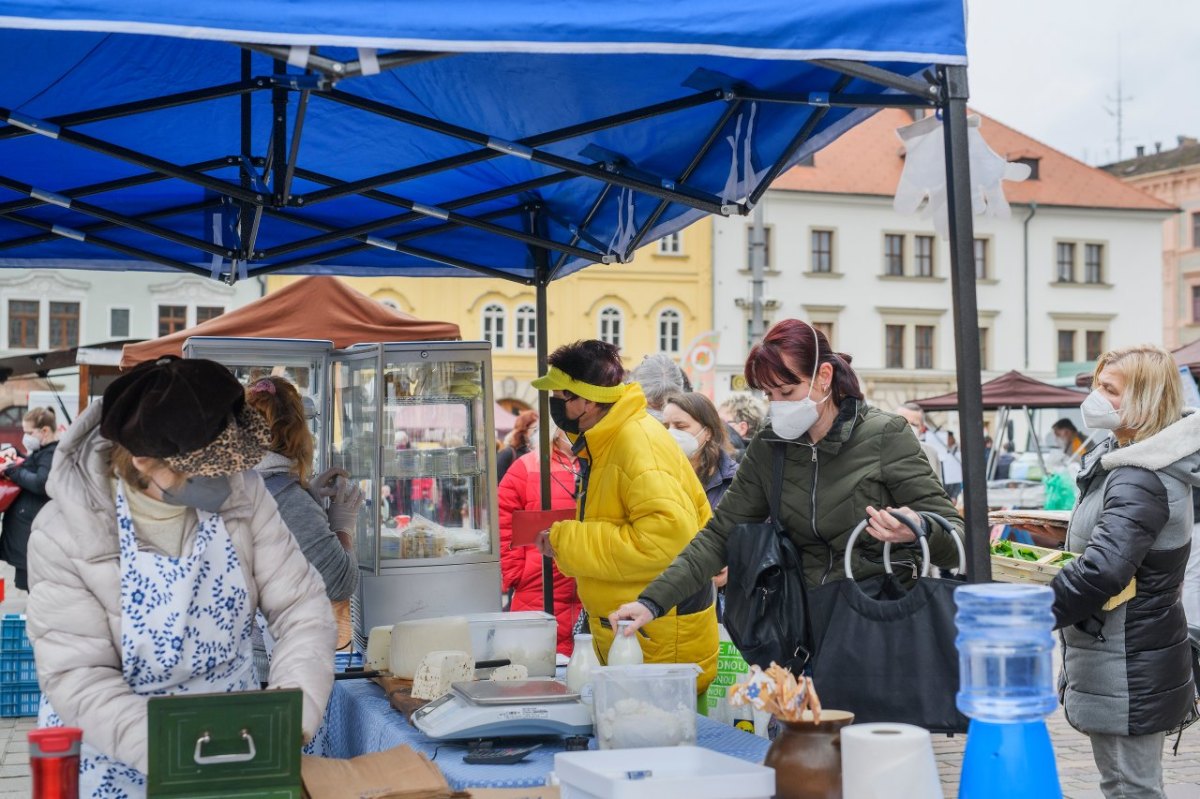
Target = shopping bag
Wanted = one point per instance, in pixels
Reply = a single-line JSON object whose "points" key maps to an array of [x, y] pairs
{"points": [[1060, 491], [8, 493], [764, 595], [884, 652]]}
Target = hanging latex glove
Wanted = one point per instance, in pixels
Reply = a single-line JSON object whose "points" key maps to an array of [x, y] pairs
{"points": [[922, 186], [344, 506]]}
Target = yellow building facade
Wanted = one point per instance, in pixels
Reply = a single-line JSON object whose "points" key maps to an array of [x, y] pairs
{"points": [[659, 302]]}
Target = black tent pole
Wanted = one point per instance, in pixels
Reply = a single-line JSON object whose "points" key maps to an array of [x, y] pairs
{"points": [[953, 105], [541, 261]]}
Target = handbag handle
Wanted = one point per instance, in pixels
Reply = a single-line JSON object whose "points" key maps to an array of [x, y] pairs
{"points": [[887, 548], [922, 534], [940, 521]]}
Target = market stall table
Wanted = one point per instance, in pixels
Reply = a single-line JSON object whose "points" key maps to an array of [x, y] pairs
{"points": [[359, 720]]}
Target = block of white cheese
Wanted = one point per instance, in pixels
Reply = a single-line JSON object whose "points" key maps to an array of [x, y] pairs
{"points": [[379, 644], [514, 672], [413, 640], [439, 670]]}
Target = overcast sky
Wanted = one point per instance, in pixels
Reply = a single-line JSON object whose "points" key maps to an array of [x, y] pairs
{"points": [[1049, 69]]}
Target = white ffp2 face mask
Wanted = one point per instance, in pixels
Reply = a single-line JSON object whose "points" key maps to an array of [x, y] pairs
{"points": [[686, 441], [1099, 413], [791, 419]]}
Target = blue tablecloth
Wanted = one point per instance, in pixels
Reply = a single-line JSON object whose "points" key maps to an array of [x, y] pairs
{"points": [[359, 720]]}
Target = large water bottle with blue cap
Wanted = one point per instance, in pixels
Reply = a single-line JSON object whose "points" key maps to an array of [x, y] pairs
{"points": [[1006, 687]]}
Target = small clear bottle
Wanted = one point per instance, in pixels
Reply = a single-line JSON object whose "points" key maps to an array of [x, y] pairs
{"points": [[625, 649], [579, 668]]}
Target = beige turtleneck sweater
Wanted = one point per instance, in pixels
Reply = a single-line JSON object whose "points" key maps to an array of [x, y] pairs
{"points": [[158, 524]]}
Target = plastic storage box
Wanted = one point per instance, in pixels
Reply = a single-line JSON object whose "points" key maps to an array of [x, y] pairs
{"points": [[528, 638], [645, 706], [19, 692], [679, 772]]}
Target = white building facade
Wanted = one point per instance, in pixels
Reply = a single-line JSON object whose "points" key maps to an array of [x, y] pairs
{"points": [[1057, 283]]}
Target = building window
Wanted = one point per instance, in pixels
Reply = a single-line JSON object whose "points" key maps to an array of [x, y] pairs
{"points": [[894, 346], [826, 328], [668, 331], [923, 346], [1066, 346], [118, 323], [1196, 230], [23, 324], [493, 325], [526, 327], [1196, 304], [610, 326], [1094, 340], [893, 254], [750, 247], [206, 312], [983, 347], [171, 319], [1066, 262], [923, 256], [64, 325], [822, 251], [981, 259], [1093, 263], [671, 244]]}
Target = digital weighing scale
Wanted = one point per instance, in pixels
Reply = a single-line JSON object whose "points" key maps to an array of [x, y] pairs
{"points": [[508, 709]]}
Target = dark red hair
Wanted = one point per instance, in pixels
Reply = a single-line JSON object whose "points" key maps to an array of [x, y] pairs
{"points": [[792, 340]]}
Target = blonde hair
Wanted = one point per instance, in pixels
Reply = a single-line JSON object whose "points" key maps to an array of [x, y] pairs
{"points": [[41, 417], [1153, 397]]}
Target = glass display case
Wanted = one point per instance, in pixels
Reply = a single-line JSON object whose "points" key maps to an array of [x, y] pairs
{"points": [[412, 424]]}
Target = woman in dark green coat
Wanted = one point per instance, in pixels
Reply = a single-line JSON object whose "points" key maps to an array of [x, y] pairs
{"points": [[844, 462]]}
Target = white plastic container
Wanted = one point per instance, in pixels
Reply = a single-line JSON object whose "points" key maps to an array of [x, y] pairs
{"points": [[413, 640], [529, 638], [650, 705], [679, 772]]}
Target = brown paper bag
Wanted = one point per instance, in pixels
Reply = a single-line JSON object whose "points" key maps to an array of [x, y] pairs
{"points": [[397, 773]]}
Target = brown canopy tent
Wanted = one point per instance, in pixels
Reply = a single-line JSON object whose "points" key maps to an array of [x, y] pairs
{"points": [[1010, 390], [318, 307], [1189, 355]]}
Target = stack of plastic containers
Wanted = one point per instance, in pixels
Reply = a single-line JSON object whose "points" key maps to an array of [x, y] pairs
{"points": [[19, 692], [1005, 651]]}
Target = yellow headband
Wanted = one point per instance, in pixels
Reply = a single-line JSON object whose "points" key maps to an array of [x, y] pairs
{"points": [[556, 379]]}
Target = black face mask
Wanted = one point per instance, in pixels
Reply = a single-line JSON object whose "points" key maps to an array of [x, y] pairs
{"points": [[558, 412], [202, 493]]}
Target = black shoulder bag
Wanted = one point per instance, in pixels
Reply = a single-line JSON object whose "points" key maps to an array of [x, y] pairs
{"points": [[765, 608]]}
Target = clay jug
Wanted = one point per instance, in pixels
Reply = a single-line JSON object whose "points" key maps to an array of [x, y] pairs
{"points": [[807, 757]]}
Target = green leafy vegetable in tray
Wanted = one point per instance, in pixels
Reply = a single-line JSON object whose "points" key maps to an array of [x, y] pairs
{"points": [[1006, 549]]}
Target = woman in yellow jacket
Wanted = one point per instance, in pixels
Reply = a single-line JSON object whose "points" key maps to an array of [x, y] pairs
{"points": [[639, 505]]}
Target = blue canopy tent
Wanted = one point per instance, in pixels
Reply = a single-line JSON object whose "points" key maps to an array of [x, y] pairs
{"points": [[521, 140]]}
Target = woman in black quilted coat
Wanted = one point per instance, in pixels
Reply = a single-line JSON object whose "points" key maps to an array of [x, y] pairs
{"points": [[1126, 679], [40, 440]]}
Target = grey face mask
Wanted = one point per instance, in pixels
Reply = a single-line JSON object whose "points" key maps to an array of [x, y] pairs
{"points": [[201, 493]]}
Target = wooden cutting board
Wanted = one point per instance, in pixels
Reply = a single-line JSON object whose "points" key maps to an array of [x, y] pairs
{"points": [[399, 694]]}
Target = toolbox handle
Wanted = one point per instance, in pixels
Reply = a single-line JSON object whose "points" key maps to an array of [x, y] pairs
{"points": [[212, 760]]}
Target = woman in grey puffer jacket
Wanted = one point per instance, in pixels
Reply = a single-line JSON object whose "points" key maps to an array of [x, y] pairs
{"points": [[1126, 679], [325, 536]]}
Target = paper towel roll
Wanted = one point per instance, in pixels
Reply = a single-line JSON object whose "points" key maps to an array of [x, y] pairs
{"points": [[886, 761]]}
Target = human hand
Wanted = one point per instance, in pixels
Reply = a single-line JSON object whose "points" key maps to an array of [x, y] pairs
{"points": [[1045, 535], [635, 612], [884, 525], [322, 487], [344, 506], [722, 578], [542, 542]]}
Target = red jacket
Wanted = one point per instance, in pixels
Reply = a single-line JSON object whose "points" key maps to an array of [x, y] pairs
{"points": [[521, 568]]}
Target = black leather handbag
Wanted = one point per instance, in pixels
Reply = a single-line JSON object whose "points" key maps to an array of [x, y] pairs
{"points": [[885, 652], [764, 596]]}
